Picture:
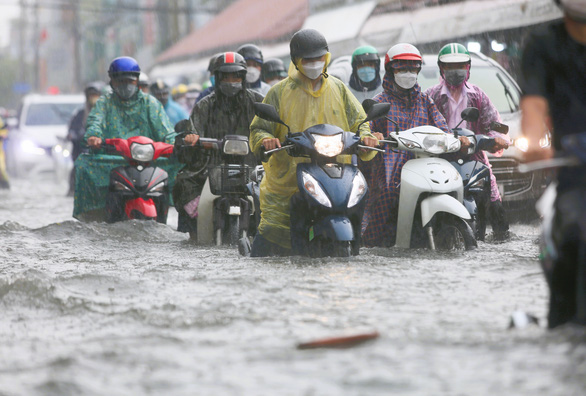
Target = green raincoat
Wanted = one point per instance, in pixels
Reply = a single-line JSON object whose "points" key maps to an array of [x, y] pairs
{"points": [[299, 107], [113, 118]]}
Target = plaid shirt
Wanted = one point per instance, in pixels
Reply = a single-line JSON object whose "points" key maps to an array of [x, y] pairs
{"points": [[488, 113], [408, 109]]}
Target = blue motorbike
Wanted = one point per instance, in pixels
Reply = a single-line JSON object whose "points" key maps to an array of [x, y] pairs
{"points": [[330, 203]]}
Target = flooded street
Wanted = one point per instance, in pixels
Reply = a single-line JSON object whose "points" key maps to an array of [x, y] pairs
{"points": [[134, 308]]}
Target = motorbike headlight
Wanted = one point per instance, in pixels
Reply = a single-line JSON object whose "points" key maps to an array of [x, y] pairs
{"points": [[329, 146], [58, 148], [142, 152], [522, 143], [28, 146], [66, 153], [120, 187], [409, 143], [314, 189], [236, 147], [435, 143], [159, 187], [358, 190]]}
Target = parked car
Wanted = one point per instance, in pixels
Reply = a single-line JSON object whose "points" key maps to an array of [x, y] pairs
{"points": [[518, 190], [37, 143]]}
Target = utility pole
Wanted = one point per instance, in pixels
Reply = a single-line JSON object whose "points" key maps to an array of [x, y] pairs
{"points": [[22, 37], [37, 45], [76, 32]]}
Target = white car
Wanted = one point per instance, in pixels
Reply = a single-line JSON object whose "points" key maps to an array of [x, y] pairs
{"points": [[37, 144]]}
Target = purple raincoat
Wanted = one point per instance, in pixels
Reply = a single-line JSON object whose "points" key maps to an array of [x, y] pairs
{"points": [[488, 113], [383, 174]]}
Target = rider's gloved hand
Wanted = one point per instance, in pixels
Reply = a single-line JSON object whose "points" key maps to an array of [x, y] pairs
{"points": [[271, 143], [191, 139], [94, 142]]}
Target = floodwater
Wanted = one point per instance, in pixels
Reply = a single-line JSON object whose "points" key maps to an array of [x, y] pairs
{"points": [[135, 309]]}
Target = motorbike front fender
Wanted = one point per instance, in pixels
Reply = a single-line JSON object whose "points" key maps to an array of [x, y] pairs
{"points": [[146, 207], [441, 203], [335, 228]]}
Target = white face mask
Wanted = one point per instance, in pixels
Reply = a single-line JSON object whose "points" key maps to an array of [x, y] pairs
{"points": [[252, 74], [406, 80], [313, 70]]}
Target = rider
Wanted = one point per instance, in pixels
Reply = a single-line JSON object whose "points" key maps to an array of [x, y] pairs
{"points": [[4, 180], [179, 95], [254, 60], [554, 86], [273, 71], [409, 108], [160, 90], [226, 111], [122, 113], [453, 94], [365, 81], [306, 98], [77, 125]]}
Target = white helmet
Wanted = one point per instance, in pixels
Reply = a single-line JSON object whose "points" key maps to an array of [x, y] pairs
{"points": [[143, 79], [402, 51]]}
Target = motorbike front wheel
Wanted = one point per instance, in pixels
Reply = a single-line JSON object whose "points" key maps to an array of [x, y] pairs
{"points": [[232, 230], [453, 233]]}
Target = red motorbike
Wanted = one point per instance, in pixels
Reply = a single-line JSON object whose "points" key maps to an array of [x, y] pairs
{"points": [[139, 190]]}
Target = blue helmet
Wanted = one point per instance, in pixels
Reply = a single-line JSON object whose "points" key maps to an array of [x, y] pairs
{"points": [[124, 65]]}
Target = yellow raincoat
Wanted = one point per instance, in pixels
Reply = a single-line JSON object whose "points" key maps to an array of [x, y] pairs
{"points": [[299, 107]]}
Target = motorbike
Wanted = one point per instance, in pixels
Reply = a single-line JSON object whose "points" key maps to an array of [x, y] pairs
{"points": [[475, 174], [139, 190], [330, 202], [225, 202], [431, 210], [567, 284]]}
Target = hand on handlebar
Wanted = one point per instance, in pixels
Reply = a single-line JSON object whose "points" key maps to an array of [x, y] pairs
{"points": [[271, 143], [499, 144], [378, 135], [464, 143], [191, 139], [371, 141], [94, 142]]}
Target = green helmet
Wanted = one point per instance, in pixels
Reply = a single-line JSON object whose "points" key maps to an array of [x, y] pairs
{"points": [[453, 53], [363, 54]]}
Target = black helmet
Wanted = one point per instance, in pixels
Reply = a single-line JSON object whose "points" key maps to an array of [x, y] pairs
{"points": [[272, 68], [308, 43], [229, 62], [251, 51]]}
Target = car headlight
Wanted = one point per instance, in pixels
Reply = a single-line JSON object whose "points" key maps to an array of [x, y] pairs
{"points": [[314, 189], [120, 187], [522, 143], [159, 187], [435, 143], [329, 146], [409, 143], [478, 183], [358, 190], [142, 152], [28, 146], [236, 147]]}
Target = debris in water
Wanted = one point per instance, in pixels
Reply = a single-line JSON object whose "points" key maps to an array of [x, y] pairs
{"points": [[339, 342]]}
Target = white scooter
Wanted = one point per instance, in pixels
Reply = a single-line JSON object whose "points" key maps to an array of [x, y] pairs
{"points": [[431, 210]]}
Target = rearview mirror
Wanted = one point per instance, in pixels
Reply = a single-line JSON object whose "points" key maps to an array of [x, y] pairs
{"points": [[470, 114], [378, 110], [268, 112], [498, 127], [183, 126]]}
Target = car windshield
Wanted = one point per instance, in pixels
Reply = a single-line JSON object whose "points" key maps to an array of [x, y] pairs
{"points": [[50, 113], [502, 92]]}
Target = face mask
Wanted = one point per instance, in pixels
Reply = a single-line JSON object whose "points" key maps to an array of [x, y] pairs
{"points": [[406, 80], [230, 89], [576, 9], [213, 80], [252, 75], [366, 74], [313, 70], [455, 77], [125, 91]]}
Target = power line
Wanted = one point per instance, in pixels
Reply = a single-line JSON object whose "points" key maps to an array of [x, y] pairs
{"points": [[64, 5]]}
